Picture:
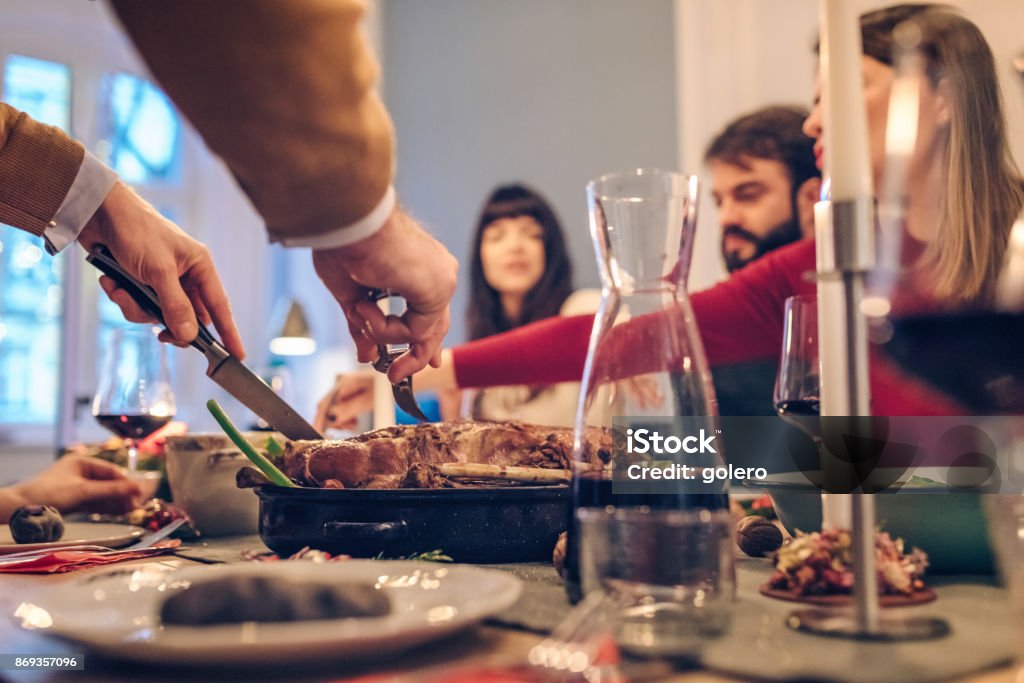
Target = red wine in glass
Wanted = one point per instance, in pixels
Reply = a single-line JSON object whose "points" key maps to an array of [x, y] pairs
{"points": [[797, 395], [132, 426], [802, 413], [134, 397]]}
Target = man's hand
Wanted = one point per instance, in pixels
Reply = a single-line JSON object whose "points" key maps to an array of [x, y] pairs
{"points": [[158, 253], [80, 483], [404, 258]]}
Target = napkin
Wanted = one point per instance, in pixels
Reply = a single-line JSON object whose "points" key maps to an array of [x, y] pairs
{"points": [[70, 560]]}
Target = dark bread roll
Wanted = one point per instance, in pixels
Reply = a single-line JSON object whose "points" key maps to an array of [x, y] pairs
{"points": [[234, 599]]}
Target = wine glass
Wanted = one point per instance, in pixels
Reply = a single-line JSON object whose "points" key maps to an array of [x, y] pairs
{"points": [[134, 397], [797, 399], [797, 393]]}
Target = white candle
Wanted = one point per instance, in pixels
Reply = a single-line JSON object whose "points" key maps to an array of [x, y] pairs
{"points": [[847, 157], [836, 509], [824, 248]]}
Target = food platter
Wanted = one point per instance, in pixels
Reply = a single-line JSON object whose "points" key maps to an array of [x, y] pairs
{"points": [[472, 491]]}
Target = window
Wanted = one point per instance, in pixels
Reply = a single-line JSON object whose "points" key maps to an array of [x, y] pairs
{"points": [[142, 131], [31, 284], [40, 88], [141, 140], [139, 134]]}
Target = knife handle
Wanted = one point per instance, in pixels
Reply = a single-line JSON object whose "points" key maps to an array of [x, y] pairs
{"points": [[144, 295]]}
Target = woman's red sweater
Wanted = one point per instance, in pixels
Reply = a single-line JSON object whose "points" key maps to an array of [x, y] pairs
{"points": [[740, 319]]}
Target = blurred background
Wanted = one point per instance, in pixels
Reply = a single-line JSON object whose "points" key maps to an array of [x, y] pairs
{"points": [[481, 92]]}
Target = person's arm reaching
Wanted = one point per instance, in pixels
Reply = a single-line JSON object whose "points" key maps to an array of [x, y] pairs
{"points": [[285, 93], [289, 101], [74, 483], [38, 166], [739, 319], [406, 259], [51, 187], [545, 352], [159, 253]]}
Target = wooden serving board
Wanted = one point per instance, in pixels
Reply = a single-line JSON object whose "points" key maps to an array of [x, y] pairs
{"points": [[918, 598]]}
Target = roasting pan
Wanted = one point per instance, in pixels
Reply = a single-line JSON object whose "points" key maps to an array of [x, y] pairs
{"points": [[477, 524]]}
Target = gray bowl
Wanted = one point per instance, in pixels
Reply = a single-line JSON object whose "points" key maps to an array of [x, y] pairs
{"points": [[201, 471]]}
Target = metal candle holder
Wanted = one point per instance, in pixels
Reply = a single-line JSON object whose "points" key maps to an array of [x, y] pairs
{"points": [[845, 260]]}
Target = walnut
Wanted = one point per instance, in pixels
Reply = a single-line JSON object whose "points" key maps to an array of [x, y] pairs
{"points": [[757, 536]]}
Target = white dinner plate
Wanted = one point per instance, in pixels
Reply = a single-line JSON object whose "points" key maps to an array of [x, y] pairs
{"points": [[118, 614], [77, 533]]}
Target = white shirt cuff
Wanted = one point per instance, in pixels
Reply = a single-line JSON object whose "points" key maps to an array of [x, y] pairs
{"points": [[90, 188], [349, 234]]}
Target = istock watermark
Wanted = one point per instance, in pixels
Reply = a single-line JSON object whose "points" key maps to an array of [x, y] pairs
{"points": [[707, 454]]}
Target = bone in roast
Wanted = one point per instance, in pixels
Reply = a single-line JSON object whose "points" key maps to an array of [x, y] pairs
{"points": [[403, 456]]}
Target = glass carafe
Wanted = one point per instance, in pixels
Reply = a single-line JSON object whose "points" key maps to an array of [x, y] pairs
{"points": [[646, 368]]}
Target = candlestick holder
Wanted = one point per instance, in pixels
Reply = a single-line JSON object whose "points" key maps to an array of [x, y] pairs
{"points": [[845, 258]]}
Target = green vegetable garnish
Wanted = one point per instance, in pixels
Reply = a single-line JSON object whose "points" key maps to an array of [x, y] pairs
{"points": [[273, 447], [268, 468]]}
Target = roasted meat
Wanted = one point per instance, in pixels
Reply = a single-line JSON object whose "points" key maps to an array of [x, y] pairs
{"points": [[402, 456]]}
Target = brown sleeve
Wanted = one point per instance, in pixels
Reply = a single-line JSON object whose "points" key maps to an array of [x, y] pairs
{"points": [[284, 92], [38, 165]]}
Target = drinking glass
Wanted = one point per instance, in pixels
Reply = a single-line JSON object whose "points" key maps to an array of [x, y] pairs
{"points": [[797, 399], [669, 574], [797, 394], [645, 367], [134, 397]]}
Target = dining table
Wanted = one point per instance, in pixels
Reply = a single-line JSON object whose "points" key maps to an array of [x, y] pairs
{"points": [[980, 648]]}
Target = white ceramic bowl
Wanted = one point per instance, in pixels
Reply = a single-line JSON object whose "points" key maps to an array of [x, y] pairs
{"points": [[201, 471]]}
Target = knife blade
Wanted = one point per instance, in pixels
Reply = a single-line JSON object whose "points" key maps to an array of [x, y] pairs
{"points": [[222, 367], [250, 389]]}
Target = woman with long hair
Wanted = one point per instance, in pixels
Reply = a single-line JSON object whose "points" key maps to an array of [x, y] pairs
{"points": [[964, 190], [520, 270], [520, 273]]}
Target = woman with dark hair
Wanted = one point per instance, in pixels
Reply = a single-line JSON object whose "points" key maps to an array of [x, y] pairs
{"points": [[520, 273], [520, 268]]}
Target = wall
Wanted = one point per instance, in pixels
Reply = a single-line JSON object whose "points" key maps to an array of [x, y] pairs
{"points": [[551, 93]]}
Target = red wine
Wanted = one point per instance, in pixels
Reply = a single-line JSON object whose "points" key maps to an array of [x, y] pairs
{"points": [[596, 492], [804, 414], [133, 426]]}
